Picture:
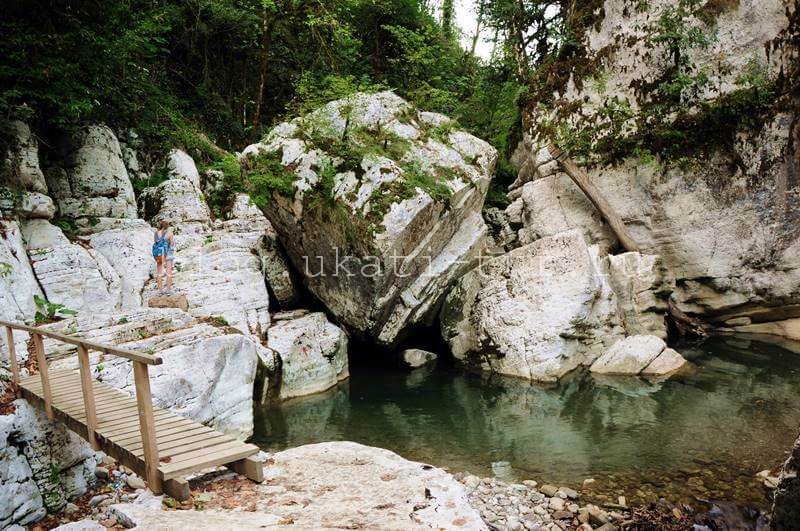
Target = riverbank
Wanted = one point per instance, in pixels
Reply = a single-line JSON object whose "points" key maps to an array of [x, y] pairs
{"points": [[350, 486]]}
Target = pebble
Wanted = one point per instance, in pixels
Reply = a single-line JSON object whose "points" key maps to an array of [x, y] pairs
{"points": [[101, 472], [71, 508], [135, 482], [95, 501], [549, 490], [622, 501], [571, 494], [472, 482], [556, 504], [530, 483]]}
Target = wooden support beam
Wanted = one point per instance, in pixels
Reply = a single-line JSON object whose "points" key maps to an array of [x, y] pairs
{"points": [[41, 360], [88, 396], [12, 354], [250, 468], [594, 195], [147, 426]]}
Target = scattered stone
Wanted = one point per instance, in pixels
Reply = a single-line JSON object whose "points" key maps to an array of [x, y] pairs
{"points": [[177, 300], [135, 482], [571, 494], [95, 500], [622, 501], [548, 490], [530, 483], [415, 358], [70, 509], [556, 504], [101, 472]]}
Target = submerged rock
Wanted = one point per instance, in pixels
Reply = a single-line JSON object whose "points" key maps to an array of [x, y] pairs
{"points": [[786, 507], [647, 355], [313, 354], [416, 358], [537, 312], [379, 210]]}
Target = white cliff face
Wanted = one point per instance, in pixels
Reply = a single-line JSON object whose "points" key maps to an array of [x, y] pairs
{"points": [[81, 279], [42, 466], [537, 312], [92, 180], [313, 354], [411, 204]]}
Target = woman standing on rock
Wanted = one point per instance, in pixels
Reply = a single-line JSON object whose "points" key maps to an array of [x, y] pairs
{"points": [[164, 255]]}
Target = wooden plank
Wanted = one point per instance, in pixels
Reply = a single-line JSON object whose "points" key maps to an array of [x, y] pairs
{"points": [[89, 345], [43, 374], [180, 425], [186, 434], [250, 468], [88, 396], [147, 425], [178, 448], [12, 354], [115, 431], [120, 422], [102, 398], [208, 458], [74, 404]]}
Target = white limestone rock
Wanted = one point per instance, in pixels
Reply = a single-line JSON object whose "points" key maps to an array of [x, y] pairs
{"points": [[19, 165], [175, 201], [313, 354], [639, 354], [382, 240], [69, 274], [92, 180], [181, 166], [642, 284], [334, 484], [415, 357], [26, 204], [630, 355], [537, 312], [31, 449], [128, 249]]}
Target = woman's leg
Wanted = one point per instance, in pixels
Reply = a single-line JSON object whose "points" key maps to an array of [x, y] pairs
{"points": [[159, 274], [169, 275]]}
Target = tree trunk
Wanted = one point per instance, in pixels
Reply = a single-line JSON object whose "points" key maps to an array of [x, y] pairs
{"points": [[607, 212], [268, 24], [517, 35], [447, 18], [478, 24]]}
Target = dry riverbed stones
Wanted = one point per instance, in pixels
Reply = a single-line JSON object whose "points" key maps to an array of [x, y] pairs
{"points": [[528, 506]]}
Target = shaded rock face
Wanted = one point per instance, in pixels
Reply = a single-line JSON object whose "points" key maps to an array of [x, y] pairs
{"points": [[537, 312], [313, 354], [725, 223], [92, 180], [334, 484], [42, 466], [382, 242], [786, 508], [19, 167]]}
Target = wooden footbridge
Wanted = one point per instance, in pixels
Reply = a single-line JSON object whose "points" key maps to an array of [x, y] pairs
{"points": [[155, 443]]}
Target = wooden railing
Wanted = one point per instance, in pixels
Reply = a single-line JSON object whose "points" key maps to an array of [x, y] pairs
{"points": [[144, 398]]}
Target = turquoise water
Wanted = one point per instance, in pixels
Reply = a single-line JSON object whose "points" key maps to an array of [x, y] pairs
{"points": [[705, 434]]}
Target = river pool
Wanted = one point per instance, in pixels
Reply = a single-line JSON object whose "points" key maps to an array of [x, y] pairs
{"points": [[704, 434]]}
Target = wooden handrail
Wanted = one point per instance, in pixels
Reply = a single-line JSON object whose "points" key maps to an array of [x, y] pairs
{"points": [[89, 345], [144, 399]]}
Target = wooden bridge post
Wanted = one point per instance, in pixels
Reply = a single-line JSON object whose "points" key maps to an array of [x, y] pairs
{"points": [[44, 375], [88, 396], [147, 426], [12, 354]]}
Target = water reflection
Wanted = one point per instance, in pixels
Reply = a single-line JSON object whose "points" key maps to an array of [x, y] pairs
{"points": [[711, 429]]}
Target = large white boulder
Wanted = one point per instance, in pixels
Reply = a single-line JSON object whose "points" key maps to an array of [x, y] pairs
{"points": [[181, 166], [79, 278], [537, 312], [334, 484], [642, 284], [92, 180], [127, 246], [378, 209], [175, 201], [26, 204], [19, 165], [42, 465], [313, 354]]}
